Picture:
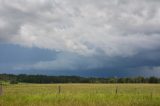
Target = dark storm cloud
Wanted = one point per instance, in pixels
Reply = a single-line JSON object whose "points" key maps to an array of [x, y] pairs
{"points": [[119, 35]]}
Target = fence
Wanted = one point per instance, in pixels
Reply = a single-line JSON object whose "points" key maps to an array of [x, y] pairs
{"points": [[60, 89], [1, 90]]}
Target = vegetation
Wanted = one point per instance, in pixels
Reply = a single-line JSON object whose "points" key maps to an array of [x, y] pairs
{"points": [[14, 79], [80, 95], [90, 93]]}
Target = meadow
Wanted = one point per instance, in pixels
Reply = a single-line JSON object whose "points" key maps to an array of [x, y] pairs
{"points": [[80, 95]]}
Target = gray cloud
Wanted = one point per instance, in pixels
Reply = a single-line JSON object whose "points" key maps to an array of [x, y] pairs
{"points": [[64, 61], [118, 28], [102, 33]]}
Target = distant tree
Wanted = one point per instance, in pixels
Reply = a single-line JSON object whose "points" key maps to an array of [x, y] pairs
{"points": [[153, 80], [13, 82], [14, 79]]}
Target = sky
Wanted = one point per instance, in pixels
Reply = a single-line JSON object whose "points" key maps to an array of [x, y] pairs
{"points": [[101, 38]]}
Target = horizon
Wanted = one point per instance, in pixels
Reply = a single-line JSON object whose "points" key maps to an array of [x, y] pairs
{"points": [[45, 75]]}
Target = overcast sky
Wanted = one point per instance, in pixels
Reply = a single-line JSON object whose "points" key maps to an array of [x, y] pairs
{"points": [[80, 37]]}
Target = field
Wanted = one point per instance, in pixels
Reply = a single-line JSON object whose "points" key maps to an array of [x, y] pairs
{"points": [[81, 95]]}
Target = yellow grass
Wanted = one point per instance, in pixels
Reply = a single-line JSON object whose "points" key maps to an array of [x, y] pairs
{"points": [[81, 95]]}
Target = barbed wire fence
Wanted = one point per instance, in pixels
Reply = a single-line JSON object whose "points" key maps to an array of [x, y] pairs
{"points": [[59, 89]]}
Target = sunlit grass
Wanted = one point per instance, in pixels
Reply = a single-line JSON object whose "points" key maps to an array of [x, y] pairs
{"points": [[81, 95]]}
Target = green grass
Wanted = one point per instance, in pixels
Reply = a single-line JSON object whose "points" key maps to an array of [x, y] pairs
{"points": [[81, 95]]}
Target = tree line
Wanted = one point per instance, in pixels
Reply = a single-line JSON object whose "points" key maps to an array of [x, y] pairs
{"points": [[23, 78]]}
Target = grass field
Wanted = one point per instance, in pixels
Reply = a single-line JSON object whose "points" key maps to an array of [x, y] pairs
{"points": [[81, 95]]}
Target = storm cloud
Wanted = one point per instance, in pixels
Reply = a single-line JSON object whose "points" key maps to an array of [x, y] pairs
{"points": [[86, 34]]}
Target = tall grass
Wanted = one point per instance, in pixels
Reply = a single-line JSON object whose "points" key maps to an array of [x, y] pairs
{"points": [[81, 95]]}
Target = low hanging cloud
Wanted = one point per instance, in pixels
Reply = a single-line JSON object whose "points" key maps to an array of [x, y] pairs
{"points": [[86, 27], [85, 34], [64, 61]]}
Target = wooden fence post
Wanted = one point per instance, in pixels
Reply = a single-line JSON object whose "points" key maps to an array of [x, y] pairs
{"points": [[1, 89], [116, 81], [59, 89], [116, 90], [151, 95]]}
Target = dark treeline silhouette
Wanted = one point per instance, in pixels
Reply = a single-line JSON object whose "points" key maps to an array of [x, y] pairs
{"points": [[22, 78]]}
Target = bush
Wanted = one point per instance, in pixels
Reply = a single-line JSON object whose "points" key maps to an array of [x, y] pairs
{"points": [[13, 82]]}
